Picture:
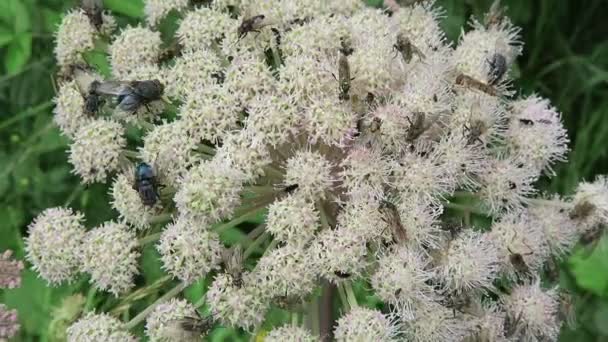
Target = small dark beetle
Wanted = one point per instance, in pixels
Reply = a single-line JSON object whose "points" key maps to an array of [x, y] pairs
{"points": [[145, 184]]}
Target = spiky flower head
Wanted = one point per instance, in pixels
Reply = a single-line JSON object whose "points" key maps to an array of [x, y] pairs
{"points": [[188, 251], [159, 324], [533, 312], [290, 333], [156, 10], [293, 219], [590, 204], [209, 191], [98, 327], [559, 230], [471, 262], [133, 47], [536, 133], [9, 323], [53, 244], [311, 171], [97, 149], [74, 36], [128, 203], [521, 244], [109, 256], [403, 276], [202, 27], [10, 270], [170, 151], [193, 71], [284, 272], [431, 321], [234, 306], [69, 113], [362, 324]]}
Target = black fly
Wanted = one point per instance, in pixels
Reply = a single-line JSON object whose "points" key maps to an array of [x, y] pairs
{"points": [[145, 184], [498, 68], [132, 95]]}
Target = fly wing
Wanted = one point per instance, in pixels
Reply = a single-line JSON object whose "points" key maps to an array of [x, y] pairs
{"points": [[114, 88]]}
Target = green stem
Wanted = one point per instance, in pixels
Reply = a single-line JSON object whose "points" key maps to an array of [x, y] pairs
{"points": [[131, 154], [162, 218], [314, 316], [464, 208], [90, 297], [294, 319], [343, 298], [142, 315], [148, 238], [323, 215], [350, 295], [206, 149], [240, 219], [139, 294], [26, 114], [541, 201], [261, 239]]}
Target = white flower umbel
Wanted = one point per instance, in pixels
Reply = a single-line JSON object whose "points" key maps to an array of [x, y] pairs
{"points": [[75, 35], [292, 219], [69, 109], [558, 228], [128, 203], [53, 244], [96, 150], [203, 27], [209, 191], [532, 312], [430, 321], [362, 324], [403, 276], [188, 251], [590, 204], [521, 244], [109, 255], [169, 151], [311, 171], [156, 10], [536, 133], [98, 327], [235, 306], [160, 323], [470, 263], [133, 47], [290, 333]]}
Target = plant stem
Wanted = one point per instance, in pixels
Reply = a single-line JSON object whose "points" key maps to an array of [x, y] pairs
{"points": [[343, 298], [350, 295], [238, 220], [326, 316], [131, 154], [255, 244], [142, 315], [26, 114], [90, 296], [206, 149], [139, 294], [464, 208], [314, 316], [162, 218], [148, 238]]}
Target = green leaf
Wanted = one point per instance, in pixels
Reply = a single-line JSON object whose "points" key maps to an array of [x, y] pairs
{"points": [[590, 271], [19, 52], [99, 61], [51, 19], [131, 8], [5, 36], [151, 265], [21, 16]]}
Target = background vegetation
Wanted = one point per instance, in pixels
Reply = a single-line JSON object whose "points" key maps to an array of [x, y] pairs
{"points": [[565, 59]]}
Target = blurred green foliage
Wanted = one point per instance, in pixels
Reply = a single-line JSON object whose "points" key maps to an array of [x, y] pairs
{"points": [[565, 59]]}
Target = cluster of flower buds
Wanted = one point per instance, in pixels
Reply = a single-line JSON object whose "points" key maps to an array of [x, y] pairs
{"points": [[369, 144], [10, 278]]}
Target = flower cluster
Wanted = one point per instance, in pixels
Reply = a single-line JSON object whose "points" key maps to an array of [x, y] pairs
{"points": [[356, 137]]}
